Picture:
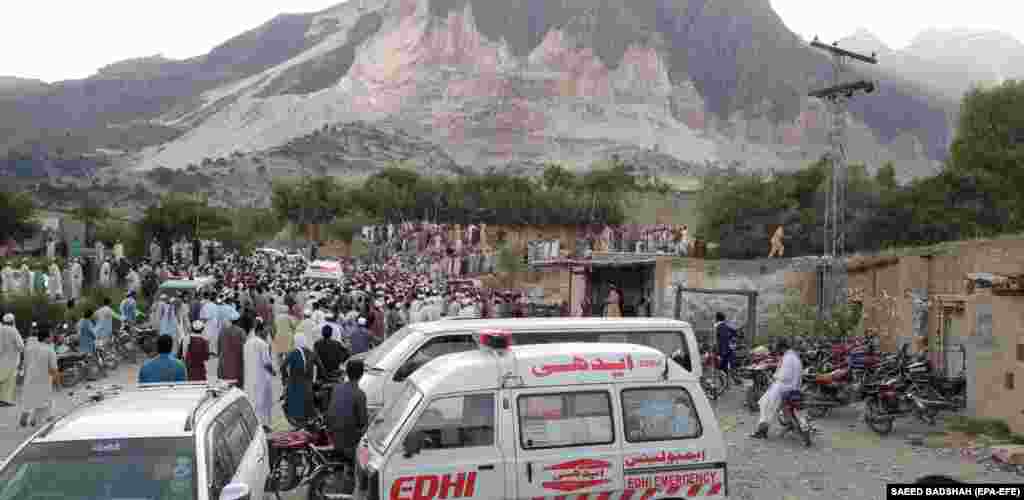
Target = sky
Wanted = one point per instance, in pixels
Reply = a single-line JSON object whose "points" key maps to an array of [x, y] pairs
{"points": [[56, 40]]}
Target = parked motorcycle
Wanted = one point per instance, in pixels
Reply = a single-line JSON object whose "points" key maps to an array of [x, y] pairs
{"points": [[306, 457], [790, 418], [106, 353], [714, 381], [124, 344]]}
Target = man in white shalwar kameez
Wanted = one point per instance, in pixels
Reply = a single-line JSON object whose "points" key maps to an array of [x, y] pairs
{"points": [[76, 280], [134, 282], [56, 285], [787, 378], [105, 274], [259, 374], [40, 374], [210, 313], [7, 274]]}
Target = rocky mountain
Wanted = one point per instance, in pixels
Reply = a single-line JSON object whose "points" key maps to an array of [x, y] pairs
{"points": [[521, 82]]}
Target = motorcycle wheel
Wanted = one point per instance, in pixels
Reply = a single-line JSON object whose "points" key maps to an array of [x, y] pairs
{"points": [[285, 475], [753, 395], [110, 361], [715, 383], [329, 484], [873, 417], [804, 430]]}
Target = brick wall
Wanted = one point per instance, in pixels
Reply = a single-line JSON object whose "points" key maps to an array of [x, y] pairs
{"points": [[994, 360]]}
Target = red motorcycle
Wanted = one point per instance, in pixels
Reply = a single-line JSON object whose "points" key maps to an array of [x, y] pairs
{"points": [[295, 455], [790, 419], [842, 385], [713, 380]]}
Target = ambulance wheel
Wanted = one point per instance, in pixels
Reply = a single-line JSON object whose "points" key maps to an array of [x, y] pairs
{"points": [[329, 484]]}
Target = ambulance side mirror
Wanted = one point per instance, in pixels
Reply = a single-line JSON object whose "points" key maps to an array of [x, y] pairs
{"points": [[405, 370], [414, 443]]}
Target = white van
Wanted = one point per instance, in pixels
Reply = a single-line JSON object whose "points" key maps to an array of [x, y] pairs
{"points": [[575, 421], [391, 363]]}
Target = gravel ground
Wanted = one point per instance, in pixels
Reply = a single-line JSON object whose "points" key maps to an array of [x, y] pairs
{"points": [[846, 461]]}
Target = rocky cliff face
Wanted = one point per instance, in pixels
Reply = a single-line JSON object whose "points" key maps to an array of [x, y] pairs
{"points": [[528, 81]]}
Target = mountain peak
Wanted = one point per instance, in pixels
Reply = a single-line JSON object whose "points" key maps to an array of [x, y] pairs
{"points": [[864, 41]]}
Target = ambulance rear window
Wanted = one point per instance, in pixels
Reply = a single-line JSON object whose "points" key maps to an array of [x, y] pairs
{"points": [[659, 414], [567, 419]]}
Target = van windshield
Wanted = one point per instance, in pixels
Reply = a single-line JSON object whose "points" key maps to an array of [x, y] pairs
{"points": [[375, 359], [386, 424]]}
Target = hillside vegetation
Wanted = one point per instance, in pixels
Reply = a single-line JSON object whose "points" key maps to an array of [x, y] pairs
{"points": [[979, 192]]}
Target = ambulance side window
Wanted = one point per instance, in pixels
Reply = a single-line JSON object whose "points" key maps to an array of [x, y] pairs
{"points": [[458, 422], [566, 419], [448, 344], [659, 414]]}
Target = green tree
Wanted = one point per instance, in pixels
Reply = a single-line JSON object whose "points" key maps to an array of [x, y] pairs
{"points": [[18, 221], [179, 216], [989, 146], [91, 213]]}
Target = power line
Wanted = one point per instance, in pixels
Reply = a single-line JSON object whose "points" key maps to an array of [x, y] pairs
{"points": [[831, 278]]}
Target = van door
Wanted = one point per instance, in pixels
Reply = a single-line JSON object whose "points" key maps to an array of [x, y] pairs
{"points": [[460, 455], [671, 448], [566, 443]]}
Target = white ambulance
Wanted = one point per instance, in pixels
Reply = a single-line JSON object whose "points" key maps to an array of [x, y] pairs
{"points": [[329, 270], [577, 421], [398, 357]]}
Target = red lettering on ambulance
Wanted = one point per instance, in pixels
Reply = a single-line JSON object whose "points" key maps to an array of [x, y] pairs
{"points": [[398, 488], [460, 487], [426, 488]]}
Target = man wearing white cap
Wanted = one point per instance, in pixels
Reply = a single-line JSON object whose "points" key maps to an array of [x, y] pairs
{"points": [[307, 327], [11, 347]]}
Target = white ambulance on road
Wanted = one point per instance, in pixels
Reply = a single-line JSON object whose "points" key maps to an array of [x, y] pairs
{"points": [[594, 421]]}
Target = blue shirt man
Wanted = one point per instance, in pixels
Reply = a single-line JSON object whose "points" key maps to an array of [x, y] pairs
{"points": [[86, 335], [164, 367], [128, 307], [726, 342]]}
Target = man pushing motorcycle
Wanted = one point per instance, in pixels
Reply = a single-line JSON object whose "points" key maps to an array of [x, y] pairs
{"points": [[787, 378]]}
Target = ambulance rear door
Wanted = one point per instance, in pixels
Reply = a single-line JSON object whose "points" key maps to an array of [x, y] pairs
{"points": [[672, 446], [460, 455], [566, 444]]}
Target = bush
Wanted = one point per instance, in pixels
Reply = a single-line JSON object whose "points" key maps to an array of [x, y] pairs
{"points": [[794, 318]]}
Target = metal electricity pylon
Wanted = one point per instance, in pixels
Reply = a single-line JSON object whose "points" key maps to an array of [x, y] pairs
{"points": [[831, 282]]}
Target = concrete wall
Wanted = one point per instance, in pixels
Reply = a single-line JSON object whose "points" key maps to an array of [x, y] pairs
{"points": [[772, 278]]}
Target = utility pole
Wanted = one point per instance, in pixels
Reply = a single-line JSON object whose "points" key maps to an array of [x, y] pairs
{"points": [[831, 272]]}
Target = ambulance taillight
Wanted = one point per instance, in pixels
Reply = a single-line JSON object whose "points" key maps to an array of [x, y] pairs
{"points": [[498, 340]]}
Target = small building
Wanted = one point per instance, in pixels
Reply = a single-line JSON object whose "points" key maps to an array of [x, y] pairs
{"points": [[588, 280]]}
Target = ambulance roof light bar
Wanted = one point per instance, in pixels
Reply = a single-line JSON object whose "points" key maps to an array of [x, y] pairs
{"points": [[498, 340]]}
